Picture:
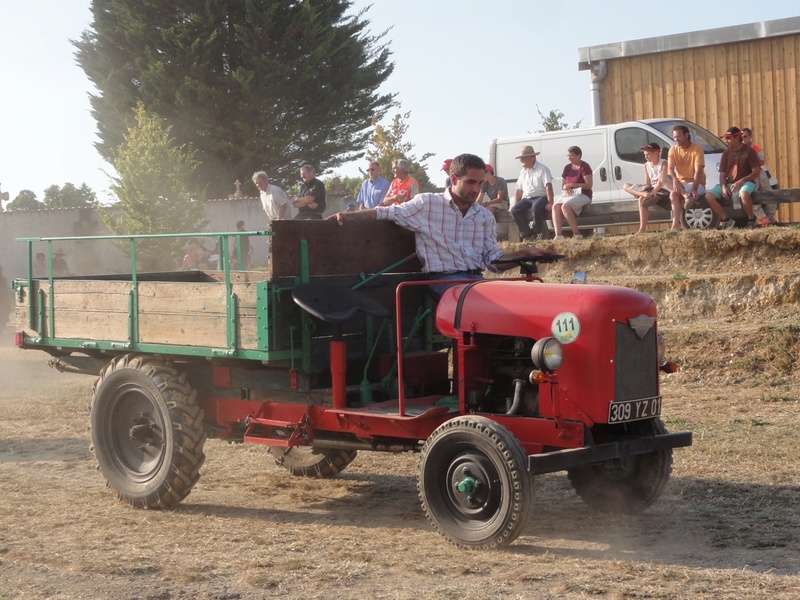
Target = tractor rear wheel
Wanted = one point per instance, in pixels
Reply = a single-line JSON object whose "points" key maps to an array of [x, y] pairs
{"points": [[147, 431], [308, 461], [627, 485], [474, 483]]}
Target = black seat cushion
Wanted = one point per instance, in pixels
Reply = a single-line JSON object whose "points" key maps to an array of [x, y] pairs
{"points": [[335, 303]]}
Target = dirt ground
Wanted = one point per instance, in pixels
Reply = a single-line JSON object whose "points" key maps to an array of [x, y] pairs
{"points": [[727, 526]]}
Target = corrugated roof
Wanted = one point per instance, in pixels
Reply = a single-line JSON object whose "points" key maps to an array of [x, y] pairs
{"points": [[682, 41]]}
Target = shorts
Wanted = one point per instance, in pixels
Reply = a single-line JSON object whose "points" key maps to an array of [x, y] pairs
{"points": [[576, 203], [687, 187], [748, 186]]}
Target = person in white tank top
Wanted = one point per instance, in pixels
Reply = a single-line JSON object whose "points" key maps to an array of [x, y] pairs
{"points": [[655, 187]]}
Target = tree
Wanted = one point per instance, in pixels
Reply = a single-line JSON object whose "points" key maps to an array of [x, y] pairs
{"points": [[387, 144], [553, 121], [268, 84], [69, 196], [25, 200], [153, 190]]}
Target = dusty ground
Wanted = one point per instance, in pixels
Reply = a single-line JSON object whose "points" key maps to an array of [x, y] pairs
{"points": [[728, 525]]}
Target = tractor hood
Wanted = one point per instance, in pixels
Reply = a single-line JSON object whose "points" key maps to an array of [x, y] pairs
{"points": [[520, 308]]}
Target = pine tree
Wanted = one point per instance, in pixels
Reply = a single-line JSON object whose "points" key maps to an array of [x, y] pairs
{"points": [[269, 84]]}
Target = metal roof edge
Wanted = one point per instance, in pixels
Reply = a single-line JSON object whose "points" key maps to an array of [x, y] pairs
{"points": [[693, 39]]}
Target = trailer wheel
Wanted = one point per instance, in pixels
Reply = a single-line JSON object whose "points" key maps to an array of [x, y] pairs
{"points": [[627, 485], [474, 483], [700, 218], [308, 461], [147, 431]]}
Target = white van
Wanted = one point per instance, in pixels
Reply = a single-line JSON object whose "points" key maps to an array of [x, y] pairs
{"points": [[613, 152]]}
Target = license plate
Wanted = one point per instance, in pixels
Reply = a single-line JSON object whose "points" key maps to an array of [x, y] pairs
{"points": [[634, 410]]}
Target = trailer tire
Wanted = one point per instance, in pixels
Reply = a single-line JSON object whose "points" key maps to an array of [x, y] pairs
{"points": [[474, 483], [626, 485], [147, 431], [308, 461]]}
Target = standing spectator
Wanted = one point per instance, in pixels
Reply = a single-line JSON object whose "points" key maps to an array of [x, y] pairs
{"points": [[60, 268], [310, 201], [374, 189], [403, 187], [273, 199], [446, 168], [40, 265], [534, 193], [576, 193], [654, 187], [767, 211], [494, 192], [739, 168], [686, 165], [244, 244]]}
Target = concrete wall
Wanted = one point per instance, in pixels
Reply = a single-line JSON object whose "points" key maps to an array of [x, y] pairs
{"points": [[102, 256]]}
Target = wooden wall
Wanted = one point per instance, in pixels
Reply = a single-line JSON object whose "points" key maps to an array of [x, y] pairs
{"points": [[748, 84]]}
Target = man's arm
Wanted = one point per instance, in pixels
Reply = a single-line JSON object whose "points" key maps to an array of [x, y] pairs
{"points": [[369, 214], [548, 190]]}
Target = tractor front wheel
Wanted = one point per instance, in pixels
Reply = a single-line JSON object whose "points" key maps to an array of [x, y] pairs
{"points": [[474, 483], [308, 461], [627, 485], [147, 431]]}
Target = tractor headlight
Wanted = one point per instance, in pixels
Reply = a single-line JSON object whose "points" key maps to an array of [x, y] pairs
{"points": [[547, 354]]}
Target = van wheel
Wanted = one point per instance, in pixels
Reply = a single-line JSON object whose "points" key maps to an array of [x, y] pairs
{"points": [[700, 218]]}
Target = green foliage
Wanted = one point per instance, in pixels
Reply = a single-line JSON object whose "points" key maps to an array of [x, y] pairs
{"points": [[262, 84], [69, 196], [387, 143], [153, 190], [347, 186], [678, 275], [553, 121], [25, 200]]}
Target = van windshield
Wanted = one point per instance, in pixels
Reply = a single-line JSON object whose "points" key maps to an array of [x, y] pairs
{"points": [[710, 142]]}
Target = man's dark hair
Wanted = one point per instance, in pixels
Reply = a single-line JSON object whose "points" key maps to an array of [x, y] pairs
{"points": [[463, 162], [684, 129], [576, 150], [748, 131]]}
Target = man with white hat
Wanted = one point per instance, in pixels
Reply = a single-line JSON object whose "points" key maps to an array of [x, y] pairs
{"points": [[534, 193]]}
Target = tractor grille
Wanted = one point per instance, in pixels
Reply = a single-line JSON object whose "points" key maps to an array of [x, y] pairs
{"points": [[636, 364]]}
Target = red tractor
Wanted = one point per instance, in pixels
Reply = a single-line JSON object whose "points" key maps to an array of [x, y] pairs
{"points": [[339, 348]]}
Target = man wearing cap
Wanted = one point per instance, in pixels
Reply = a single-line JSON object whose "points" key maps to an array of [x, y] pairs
{"points": [[374, 189], [455, 237], [534, 192], [446, 169], [686, 167], [494, 192], [403, 187], [739, 169], [655, 187]]}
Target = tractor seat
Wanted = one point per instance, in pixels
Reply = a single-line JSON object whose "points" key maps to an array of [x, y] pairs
{"points": [[335, 303]]}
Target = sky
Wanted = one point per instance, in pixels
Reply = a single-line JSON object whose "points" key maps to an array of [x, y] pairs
{"points": [[467, 71]]}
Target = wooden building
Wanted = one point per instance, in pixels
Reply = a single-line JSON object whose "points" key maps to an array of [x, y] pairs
{"points": [[746, 75]]}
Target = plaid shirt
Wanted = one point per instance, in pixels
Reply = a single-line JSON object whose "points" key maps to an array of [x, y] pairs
{"points": [[446, 239]]}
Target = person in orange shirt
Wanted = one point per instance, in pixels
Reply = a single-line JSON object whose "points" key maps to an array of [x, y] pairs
{"points": [[403, 187]]}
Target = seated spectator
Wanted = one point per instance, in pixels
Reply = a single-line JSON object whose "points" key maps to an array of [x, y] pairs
{"points": [[654, 188], [686, 167], [403, 187], [534, 193], [739, 169], [576, 193], [494, 192], [766, 212]]}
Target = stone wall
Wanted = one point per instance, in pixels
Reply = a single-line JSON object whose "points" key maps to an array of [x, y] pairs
{"points": [[102, 256]]}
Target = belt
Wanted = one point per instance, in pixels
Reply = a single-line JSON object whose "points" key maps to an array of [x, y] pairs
{"points": [[464, 272]]}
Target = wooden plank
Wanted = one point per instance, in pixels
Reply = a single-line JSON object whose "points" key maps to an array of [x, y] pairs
{"points": [[195, 329], [350, 249]]}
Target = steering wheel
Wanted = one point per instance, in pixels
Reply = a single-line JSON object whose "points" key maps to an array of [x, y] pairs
{"points": [[527, 264]]}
